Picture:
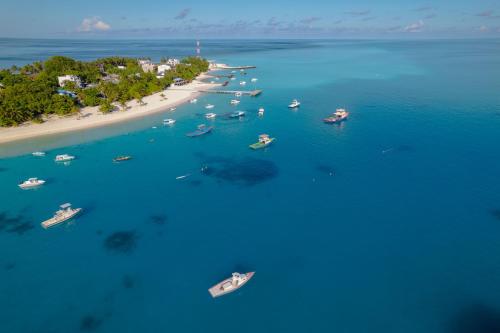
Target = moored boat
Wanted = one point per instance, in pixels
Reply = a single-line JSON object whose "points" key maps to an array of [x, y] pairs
{"points": [[38, 153], [254, 79], [209, 106], [295, 104], [242, 83], [64, 158], [210, 115], [201, 130], [238, 94], [235, 102], [236, 281], [173, 109], [65, 213], [264, 141], [168, 121], [338, 116], [261, 111], [237, 114], [193, 101], [31, 183], [122, 158]]}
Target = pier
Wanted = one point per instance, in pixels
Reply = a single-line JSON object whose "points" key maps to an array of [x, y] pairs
{"points": [[252, 93]]}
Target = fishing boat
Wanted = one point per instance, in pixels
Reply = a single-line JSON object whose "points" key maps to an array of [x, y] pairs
{"points": [[295, 104], [237, 114], [122, 158], [254, 79], [210, 115], [261, 111], [209, 106], [338, 116], [64, 158], [168, 121], [242, 83], [193, 101], [65, 213], [38, 153], [235, 102], [201, 130], [236, 281], [264, 141], [31, 183]]}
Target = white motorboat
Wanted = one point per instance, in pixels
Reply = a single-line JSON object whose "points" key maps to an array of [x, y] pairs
{"points": [[254, 79], [209, 106], [295, 104], [168, 121], [210, 115], [242, 83], [236, 281], [235, 102], [173, 109], [38, 153], [238, 94], [193, 101], [261, 111], [65, 213], [64, 158], [31, 183]]}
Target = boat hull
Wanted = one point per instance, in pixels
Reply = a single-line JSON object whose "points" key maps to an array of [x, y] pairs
{"points": [[199, 132], [217, 291], [332, 120], [260, 145]]}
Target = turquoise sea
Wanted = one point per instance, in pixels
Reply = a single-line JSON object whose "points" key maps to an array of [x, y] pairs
{"points": [[389, 222]]}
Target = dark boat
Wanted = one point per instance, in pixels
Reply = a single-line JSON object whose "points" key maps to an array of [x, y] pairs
{"points": [[201, 130]]}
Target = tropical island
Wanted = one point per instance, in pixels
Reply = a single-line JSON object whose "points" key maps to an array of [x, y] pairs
{"points": [[35, 90], [63, 94]]}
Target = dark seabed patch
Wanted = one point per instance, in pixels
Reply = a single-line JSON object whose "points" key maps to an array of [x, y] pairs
{"points": [[159, 219], [17, 224], [128, 281], [10, 266], [326, 169], [476, 318], [246, 171], [195, 183], [90, 323], [121, 242], [495, 213], [405, 148]]}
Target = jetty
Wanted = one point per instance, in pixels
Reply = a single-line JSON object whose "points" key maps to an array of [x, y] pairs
{"points": [[252, 93]]}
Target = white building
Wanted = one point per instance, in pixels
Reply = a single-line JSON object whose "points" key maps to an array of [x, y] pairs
{"points": [[146, 65], [173, 62], [120, 67], [163, 68], [69, 78]]}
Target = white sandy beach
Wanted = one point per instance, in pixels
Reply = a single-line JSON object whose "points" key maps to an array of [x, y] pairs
{"points": [[91, 116]]}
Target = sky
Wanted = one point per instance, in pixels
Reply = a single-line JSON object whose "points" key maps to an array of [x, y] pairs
{"points": [[250, 19]]}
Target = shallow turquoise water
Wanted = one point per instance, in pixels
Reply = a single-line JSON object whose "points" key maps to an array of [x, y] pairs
{"points": [[386, 223]]}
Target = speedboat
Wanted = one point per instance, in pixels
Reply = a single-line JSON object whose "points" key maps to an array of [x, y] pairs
{"points": [[242, 83], [254, 79], [201, 130], [38, 153], [65, 213], [209, 106], [235, 102], [193, 101], [122, 158], [31, 183], [210, 115], [295, 104], [236, 114], [168, 121], [64, 158], [338, 116], [264, 141], [231, 284], [261, 111]]}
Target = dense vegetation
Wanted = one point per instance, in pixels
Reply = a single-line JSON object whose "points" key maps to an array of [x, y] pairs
{"points": [[31, 92]]}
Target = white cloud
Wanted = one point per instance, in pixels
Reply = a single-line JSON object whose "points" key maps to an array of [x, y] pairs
{"points": [[93, 24], [414, 27]]}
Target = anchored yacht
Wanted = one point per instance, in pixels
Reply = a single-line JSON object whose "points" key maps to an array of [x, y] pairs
{"points": [[65, 213], [295, 104], [236, 281], [31, 183], [64, 158]]}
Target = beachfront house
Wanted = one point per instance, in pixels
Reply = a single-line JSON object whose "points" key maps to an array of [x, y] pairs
{"points": [[173, 62], [69, 78], [146, 65], [163, 68]]}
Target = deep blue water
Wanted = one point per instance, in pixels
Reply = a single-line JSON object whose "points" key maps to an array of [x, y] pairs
{"points": [[389, 222]]}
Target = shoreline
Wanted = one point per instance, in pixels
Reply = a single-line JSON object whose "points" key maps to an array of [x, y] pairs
{"points": [[92, 117]]}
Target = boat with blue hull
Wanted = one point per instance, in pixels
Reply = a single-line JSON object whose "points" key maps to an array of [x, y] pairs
{"points": [[201, 130]]}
